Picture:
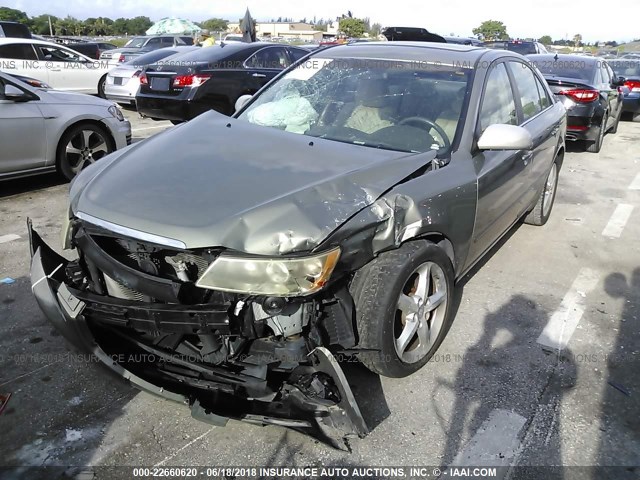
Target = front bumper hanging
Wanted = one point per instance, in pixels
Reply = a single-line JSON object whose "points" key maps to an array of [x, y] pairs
{"points": [[214, 393]]}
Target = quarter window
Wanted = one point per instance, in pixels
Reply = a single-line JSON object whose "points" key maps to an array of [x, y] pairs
{"points": [[18, 51], [528, 89], [498, 105]]}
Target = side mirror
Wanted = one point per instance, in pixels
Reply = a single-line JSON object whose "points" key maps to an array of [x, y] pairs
{"points": [[619, 82], [505, 137], [14, 94], [242, 101]]}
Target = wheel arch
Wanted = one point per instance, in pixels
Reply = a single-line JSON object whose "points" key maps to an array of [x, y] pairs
{"points": [[90, 121], [440, 240]]}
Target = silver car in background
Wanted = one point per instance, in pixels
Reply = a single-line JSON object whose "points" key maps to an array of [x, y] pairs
{"points": [[45, 130], [123, 81]]}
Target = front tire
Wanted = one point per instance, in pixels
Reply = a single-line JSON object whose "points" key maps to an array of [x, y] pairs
{"points": [[81, 145], [403, 302]]}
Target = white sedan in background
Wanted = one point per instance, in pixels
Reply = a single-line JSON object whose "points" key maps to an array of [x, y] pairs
{"points": [[123, 81], [57, 65], [43, 130]]}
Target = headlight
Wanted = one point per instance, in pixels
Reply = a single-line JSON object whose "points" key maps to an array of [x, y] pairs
{"points": [[116, 112], [284, 277]]}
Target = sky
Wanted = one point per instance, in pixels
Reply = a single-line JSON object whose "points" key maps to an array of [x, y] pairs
{"points": [[592, 19]]}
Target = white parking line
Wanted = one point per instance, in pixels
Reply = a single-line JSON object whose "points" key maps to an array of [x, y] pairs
{"points": [[9, 238], [618, 221], [495, 444], [635, 185], [149, 128], [169, 457], [565, 319]]}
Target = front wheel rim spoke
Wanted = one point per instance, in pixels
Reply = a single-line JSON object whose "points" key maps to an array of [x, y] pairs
{"points": [[435, 300], [101, 147], [407, 305], [408, 332], [86, 138], [73, 150], [424, 282]]}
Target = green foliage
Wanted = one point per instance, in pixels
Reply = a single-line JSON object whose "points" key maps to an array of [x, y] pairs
{"points": [[215, 25], [491, 30], [545, 40], [352, 27], [13, 15], [375, 30]]}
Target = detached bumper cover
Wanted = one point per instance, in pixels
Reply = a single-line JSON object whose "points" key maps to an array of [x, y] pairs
{"points": [[214, 393]]}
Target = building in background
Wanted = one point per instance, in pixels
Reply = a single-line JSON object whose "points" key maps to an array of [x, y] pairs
{"points": [[282, 31]]}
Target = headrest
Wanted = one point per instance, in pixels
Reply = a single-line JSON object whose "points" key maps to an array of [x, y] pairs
{"points": [[372, 93]]}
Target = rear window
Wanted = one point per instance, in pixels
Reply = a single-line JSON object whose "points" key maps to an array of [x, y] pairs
{"points": [[576, 69], [523, 48], [15, 30], [626, 68], [136, 42], [215, 53]]}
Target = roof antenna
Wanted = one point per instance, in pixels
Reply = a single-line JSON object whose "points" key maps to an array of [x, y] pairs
{"points": [[556, 57]]}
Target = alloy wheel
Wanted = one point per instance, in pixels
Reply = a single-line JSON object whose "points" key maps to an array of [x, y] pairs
{"points": [[85, 148], [550, 190], [420, 312]]}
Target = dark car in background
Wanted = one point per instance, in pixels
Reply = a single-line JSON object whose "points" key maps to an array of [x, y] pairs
{"points": [[464, 41], [139, 45], [14, 30], [523, 47], [228, 264], [211, 78], [589, 90], [92, 49], [629, 70], [411, 34]]}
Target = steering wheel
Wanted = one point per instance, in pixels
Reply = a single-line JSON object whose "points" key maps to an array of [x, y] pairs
{"points": [[431, 125]]}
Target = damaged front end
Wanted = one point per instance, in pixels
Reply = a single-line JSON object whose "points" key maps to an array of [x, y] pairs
{"points": [[139, 308]]}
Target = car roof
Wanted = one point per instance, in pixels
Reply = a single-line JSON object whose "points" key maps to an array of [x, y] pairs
{"points": [[4, 40], [413, 51]]}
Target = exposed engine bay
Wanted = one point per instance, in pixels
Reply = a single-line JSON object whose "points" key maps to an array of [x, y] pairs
{"points": [[261, 359]]}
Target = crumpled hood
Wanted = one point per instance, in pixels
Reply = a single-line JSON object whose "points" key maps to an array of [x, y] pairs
{"points": [[218, 181]]}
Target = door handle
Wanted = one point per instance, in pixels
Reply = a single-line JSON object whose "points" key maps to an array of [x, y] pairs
{"points": [[554, 131], [259, 75], [527, 157]]}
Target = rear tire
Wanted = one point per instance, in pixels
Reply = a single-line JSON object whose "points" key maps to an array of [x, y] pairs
{"points": [[594, 147], [101, 84], [542, 211], [398, 330]]}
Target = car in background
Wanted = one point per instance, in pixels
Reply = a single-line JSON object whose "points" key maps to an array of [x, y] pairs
{"points": [[233, 38], [45, 130], [411, 34], [464, 41], [210, 78], [523, 47], [332, 214], [91, 49], [140, 45], [589, 90], [14, 30], [123, 81], [629, 71], [54, 64]]}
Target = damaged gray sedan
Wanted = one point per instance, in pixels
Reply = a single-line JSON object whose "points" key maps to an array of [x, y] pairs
{"points": [[229, 263]]}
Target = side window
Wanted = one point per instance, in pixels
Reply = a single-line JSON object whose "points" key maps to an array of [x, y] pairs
{"points": [[527, 88], [604, 76], [498, 105], [154, 42], [545, 100], [612, 75], [167, 42], [56, 54], [270, 57], [18, 51], [297, 53]]}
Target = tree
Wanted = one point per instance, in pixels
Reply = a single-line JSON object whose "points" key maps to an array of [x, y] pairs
{"points": [[215, 25], [352, 27], [545, 40], [491, 30], [375, 30], [40, 24], [577, 39], [13, 15]]}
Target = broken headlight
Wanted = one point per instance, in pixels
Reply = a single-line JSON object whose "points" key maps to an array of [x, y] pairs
{"points": [[287, 276]]}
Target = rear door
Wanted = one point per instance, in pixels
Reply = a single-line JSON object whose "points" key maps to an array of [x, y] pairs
{"points": [[615, 104], [265, 64], [500, 172], [22, 134], [69, 70], [543, 123]]}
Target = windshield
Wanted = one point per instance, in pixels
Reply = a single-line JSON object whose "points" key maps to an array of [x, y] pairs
{"points": [[151, 57], [136, 42], [523, 48], [389, 104]]}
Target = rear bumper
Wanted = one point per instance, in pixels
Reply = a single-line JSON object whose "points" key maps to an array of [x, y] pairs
{"points": [[169, 108], [99, 325], [582, 128], [631, 103]]}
